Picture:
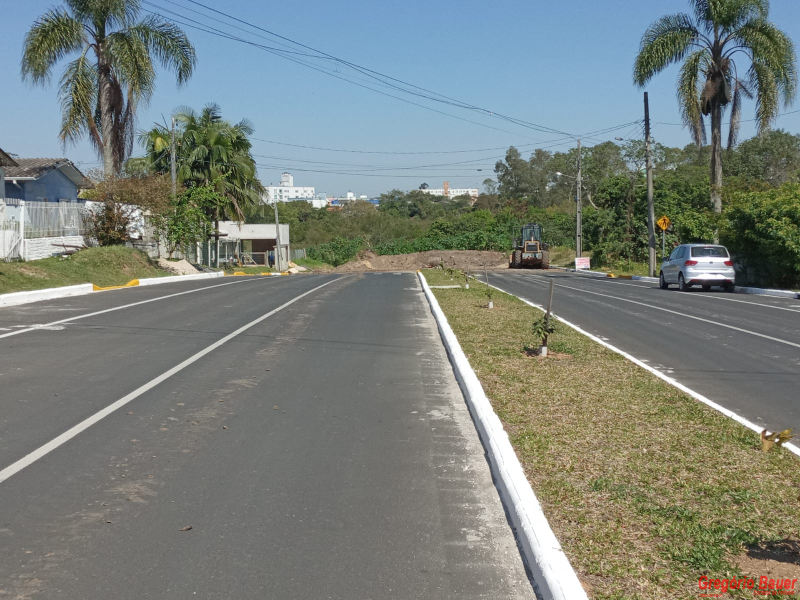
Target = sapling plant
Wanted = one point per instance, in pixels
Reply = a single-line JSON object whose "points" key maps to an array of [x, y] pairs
{"points": [[542, 329], [466, 279]]}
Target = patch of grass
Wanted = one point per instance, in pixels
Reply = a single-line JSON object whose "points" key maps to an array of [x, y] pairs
{"points": [[312, 264], [646, 488], [249, 270], [626, 267], [110, 265]]}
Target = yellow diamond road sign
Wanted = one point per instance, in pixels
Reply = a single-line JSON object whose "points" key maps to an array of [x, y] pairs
{"points": [[664, 223]]}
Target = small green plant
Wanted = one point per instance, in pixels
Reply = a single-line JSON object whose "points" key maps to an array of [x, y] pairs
{"points": [[541, 330]]}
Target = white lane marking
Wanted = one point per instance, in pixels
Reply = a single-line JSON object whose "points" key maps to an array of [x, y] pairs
{"points": [[28, 328], [680, 314], [86, 423], [673, 382], [706, 297]]}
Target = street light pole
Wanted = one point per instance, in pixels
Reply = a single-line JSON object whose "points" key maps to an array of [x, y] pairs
{"points": [[278, 257], [579, 211]]}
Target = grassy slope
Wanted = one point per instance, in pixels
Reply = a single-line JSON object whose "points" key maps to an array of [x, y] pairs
{"points": [[115, 265], [646, 488]]}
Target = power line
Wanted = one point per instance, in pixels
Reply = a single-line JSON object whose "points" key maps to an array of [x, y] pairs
{"points": [[791, 112], [379, 77]]}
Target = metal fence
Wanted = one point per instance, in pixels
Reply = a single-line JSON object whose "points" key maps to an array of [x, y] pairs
{"points": [[298, 253], [9, 239], [47, 219]]}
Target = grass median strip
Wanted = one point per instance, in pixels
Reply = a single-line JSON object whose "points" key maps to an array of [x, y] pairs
{"points": [[647, 489]]}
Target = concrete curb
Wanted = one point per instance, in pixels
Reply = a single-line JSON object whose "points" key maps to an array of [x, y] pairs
{"points": [[699, 397], [768, 292], [174, 278], [554, 576], [16, 298], [739, 289]]}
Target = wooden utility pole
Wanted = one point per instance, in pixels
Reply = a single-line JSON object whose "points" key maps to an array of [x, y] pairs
{"points": [[579, 210], [651, 217]]}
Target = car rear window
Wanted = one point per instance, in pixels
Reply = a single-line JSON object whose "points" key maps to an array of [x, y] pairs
{"points": [[715, 251]]}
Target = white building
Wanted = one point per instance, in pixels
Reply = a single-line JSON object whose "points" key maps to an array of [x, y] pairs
{"points": [[350, 197], [288, 192], [449, 192]]}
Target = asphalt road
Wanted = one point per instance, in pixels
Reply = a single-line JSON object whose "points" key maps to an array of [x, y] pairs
{"points": [[741, 351], [317, 446]]}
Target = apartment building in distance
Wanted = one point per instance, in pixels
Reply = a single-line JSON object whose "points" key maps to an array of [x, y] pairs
{"points": [[288, 192], [449, 192]]}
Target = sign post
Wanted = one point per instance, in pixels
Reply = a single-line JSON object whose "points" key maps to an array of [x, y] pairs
{"points": [[663, 223], [582, 262]]}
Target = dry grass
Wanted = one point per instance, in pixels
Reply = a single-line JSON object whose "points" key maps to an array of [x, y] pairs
{"points": [[646, 488], [110, 265]]}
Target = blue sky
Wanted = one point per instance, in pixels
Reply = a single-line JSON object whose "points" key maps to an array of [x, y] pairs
{"points": [[565, 65]]}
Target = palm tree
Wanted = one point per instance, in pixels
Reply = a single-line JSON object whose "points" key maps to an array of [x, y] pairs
{"points": [[209, 151], [100, 93], [709, 78]]}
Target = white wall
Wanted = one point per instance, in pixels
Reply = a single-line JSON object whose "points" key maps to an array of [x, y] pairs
{"points": [[38, 248]]}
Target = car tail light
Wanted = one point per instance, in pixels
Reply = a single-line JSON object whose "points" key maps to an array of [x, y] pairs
{"points": [[728, 263], [690, 263]]}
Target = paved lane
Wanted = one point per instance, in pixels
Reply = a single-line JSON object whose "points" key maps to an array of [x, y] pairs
{"points": [[743, 352], [326, 452]]}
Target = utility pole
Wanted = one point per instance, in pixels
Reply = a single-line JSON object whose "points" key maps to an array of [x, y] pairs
{"points": [[172, 160], [278, 257], [579, 211], [651, 217]]}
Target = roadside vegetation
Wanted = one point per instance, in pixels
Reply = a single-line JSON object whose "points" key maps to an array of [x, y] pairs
{"points": [[759, 219], [114, 265], [646, 489]]}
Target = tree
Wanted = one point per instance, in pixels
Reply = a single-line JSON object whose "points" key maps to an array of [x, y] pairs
{"points": [[774, 158], [489, 186], [514, 176], [210, 152], [100, 96], [710, 79]]}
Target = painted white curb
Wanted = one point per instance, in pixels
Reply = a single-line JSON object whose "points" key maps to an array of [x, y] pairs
{"points": [[699, 397], [174, 278], [550, 567], [16, 298], [768, 292], [739, 289]]}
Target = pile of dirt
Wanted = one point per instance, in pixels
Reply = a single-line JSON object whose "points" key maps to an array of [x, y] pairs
{"points": [[179, 267], [474, 260]]}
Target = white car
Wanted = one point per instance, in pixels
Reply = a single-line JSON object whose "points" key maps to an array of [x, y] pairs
{"points": [[698, 264]]}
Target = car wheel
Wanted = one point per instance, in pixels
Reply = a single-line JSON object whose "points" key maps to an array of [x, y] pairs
{"points": [[682, 285], [706, 288], [662, 283]]}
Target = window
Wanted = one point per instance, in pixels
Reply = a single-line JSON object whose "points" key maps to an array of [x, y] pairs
{"points": [[715, 251]]}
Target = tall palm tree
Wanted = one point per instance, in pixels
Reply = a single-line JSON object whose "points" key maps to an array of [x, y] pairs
{"points": [[710, 80], [209, 151], [113, 75]]}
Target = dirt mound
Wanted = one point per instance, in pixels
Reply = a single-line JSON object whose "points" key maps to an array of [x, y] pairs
{"points": [[179, 267], [474, 260]]}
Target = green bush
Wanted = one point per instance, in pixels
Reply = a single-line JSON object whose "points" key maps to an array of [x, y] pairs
{"points": [[762, 231], [336, 252]]}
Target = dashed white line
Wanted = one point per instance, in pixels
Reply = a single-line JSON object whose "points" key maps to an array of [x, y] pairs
{"points": [[27, 328], [85, 424]]}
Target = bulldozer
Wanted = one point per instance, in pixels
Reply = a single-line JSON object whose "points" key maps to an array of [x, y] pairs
{"points": [[529, 249]]}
